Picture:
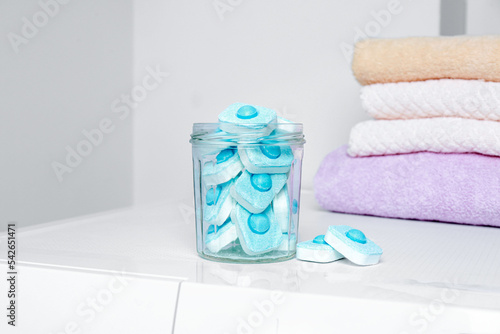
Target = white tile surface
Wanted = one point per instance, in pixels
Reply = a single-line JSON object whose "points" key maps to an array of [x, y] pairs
{"points": [[423, 262], [55, 300], [223, 309]]}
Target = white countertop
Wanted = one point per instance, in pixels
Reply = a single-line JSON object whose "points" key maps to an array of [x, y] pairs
{"points": [[432, 277]]}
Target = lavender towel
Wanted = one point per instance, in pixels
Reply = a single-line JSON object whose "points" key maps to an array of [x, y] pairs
{"points": [[452, 187]]}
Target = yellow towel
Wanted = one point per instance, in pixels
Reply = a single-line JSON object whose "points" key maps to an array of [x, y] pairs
{"points": [[425, 58]]}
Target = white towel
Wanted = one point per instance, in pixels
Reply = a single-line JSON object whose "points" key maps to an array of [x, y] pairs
{"points": [[474, 99], [446, 135]]}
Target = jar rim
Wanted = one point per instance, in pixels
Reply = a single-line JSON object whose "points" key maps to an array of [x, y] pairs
{"points": [[258, 134]]}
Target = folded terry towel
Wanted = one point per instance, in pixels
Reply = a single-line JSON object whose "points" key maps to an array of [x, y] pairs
{"points": [[424, 58], [459, 188], [474, 99], [446, 135]]}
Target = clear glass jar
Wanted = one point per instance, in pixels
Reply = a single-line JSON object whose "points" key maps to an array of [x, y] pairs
{"points": [[247, 191]]}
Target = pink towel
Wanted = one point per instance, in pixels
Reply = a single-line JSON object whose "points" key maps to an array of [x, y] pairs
{"points": [[425, 58], [458, 188]]}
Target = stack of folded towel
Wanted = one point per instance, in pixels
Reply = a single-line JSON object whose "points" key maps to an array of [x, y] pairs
{"points": [[433, 152]]}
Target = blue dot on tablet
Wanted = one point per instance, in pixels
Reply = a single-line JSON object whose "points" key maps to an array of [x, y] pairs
{"points": [[259, 223], [295, 206], [356, 235], [261, 182], [211, 229], [225, 155], [225, 223], [271, 151], [320, 239], [247, 112], [213, 195]]}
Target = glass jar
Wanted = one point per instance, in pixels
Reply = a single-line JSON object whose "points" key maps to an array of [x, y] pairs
{"points": [[247, 191]]}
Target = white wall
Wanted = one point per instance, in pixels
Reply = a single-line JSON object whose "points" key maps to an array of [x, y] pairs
{"points": [[285, 54], [282, 54], [483, 17], [60, 82]]}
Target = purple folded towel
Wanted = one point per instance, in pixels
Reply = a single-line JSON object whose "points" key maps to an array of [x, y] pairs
{"points": [[453, 187]]}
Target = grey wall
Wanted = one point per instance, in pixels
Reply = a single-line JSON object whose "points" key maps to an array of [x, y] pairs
{"points": [[58, 79], [453, 17]]}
